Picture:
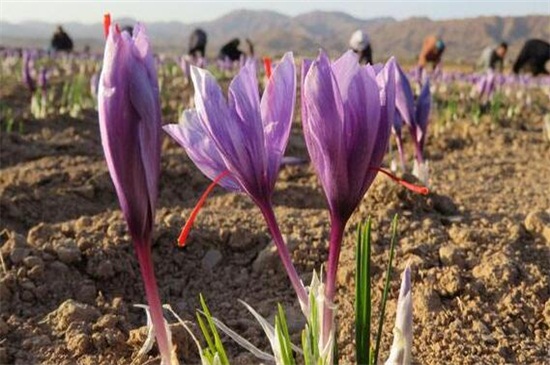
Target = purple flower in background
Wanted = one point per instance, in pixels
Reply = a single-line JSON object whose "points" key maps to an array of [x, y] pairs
{"points": [[347, 113], [486, 86], [130, 126], [239, 143], [415, 114], [422, 115], [27, 71], [43, 80], [397, 128], [404, 102], [404, 98]]}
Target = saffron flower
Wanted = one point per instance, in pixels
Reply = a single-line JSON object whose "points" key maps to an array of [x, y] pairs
{"points": [[27, 72], [43, 80], [486, 87], [130, 126], [415, 114], [346, 119], [239, 143], [401, 348], [422, 116]]}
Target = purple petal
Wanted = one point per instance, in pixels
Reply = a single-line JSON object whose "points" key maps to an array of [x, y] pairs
{"points": [[244, 102], [386, 83], [404, 97], [237, 129], [377, 67], [129, 116], [144, 96], [323, 124], [361, 100], [388, 104], [200, 148], [277, 108]]}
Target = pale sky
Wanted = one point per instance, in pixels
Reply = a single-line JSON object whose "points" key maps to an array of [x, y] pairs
{"points": [[196, 11]]}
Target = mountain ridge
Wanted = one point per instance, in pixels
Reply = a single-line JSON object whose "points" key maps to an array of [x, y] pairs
{"points": [[274, 33]]}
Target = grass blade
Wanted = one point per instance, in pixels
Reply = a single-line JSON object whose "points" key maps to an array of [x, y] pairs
{"points": [[374, 359], [211, 333], [363, 294], [281, 330]]}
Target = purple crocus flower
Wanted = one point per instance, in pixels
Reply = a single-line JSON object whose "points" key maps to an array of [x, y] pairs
{"points": [[346, 119], [130, 126], [397, 128], [422, 115], [414, 114], [240, 143], [486, 86], [404, 98], [43, 80], [27, 72]]}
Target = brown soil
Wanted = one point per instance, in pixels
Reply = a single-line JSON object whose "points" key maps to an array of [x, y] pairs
{"points": [[479, 246]]}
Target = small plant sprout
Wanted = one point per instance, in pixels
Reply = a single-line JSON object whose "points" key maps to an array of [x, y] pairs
{"points": [[367, 352], [150, 340], [400, 352], [130, 126], [316, 350]]}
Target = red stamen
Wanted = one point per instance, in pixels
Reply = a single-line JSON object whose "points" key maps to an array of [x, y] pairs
{"points": [[106, 24], [187, 227], [412, 187], [267, 66]]}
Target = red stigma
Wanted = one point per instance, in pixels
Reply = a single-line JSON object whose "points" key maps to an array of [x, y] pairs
{"points": [[412, 187], [187, 227], [106, 24], [267, 66]]}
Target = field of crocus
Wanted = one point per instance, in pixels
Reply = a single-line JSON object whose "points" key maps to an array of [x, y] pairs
{"points": [[75, 258]]}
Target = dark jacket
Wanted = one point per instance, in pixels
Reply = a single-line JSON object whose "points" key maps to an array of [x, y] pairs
{"points": [[197, 43], [61, 41], [231, 50], [533, 57]]}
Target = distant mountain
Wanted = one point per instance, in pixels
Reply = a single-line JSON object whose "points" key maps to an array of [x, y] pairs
{"points": [[274, 33]]}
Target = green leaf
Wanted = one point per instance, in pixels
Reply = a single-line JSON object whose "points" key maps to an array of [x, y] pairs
{"points": [[210, 332], [363, 293], [374, 359], [281, 331]]}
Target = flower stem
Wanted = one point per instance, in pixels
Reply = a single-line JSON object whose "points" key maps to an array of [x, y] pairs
{"points": [[284, 254], [336, 234], [143, 252]]}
